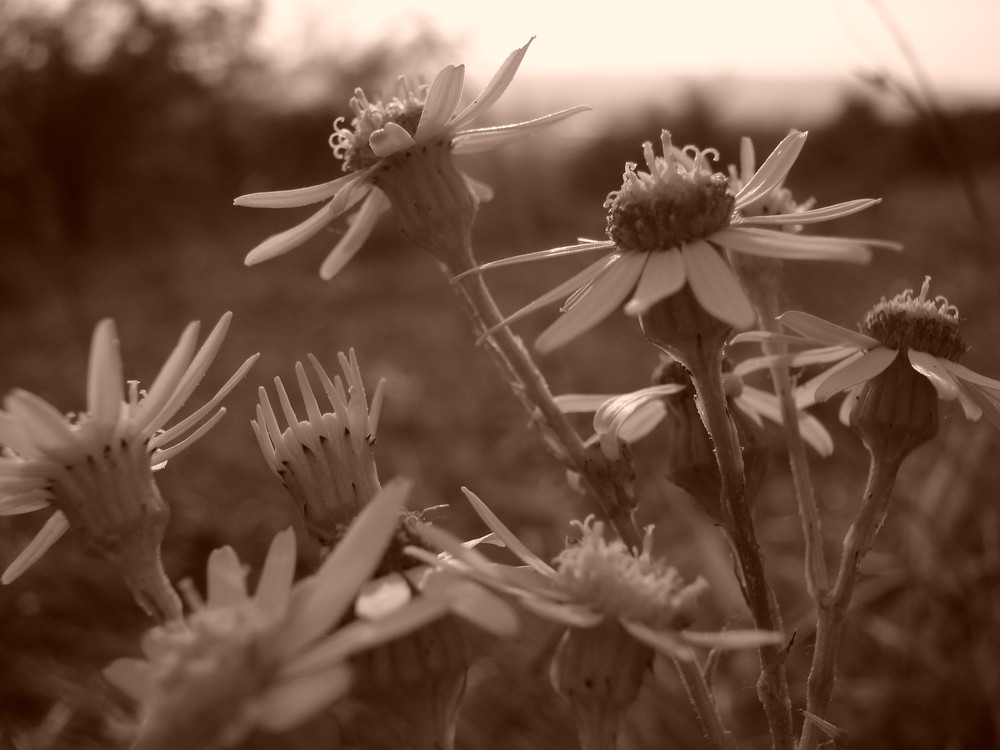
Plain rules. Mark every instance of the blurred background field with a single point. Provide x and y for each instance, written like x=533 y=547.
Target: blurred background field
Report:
x=126 y=129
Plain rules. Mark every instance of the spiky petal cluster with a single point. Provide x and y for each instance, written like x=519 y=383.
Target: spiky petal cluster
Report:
x=325 y=461
x=95 y=467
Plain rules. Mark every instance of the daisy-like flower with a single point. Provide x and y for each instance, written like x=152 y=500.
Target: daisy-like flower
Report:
x=399 y=153
x=918 y=333
x=620 y=606
x=671 y=225
x=240 y=662
x=96 y=467
x=327 y=461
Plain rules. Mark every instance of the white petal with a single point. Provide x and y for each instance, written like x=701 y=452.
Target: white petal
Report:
x=226 y=578
x=357 y=233
x=665 y=642
x=441 y=103
x=570 y=614
x=480 y=190
x=298 y=196
x=825 y=332
x=473 y=603
x=730 y=640
x=867 y=367
x=642 y=421
x=555 y=252
x=44 y=427
x=283 y=242
x=105 y=395
x=663 y=275
x=485 y=139
x=773 y=243
x=933 y=369
x=165 y=384
x=383 y=596
x=514 y=544
x=293 y=701
x=275 y=584
x=813 y=215
x=320 y=601
x=24 y=502
x=773 y=171
x=389 y=139
x=50 y=533
x=576 y=403
x=585 y=277
x=972 y=377
x=605 y=294
x=494 y=89
x=132 y=676
x=844 y=413
x=715 y=285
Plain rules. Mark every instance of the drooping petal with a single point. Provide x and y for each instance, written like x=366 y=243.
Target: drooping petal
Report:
x=356 y=235
x=275 y=582
x=715 y=286
x=663 y=275
x=819 y=356
x=227 y=584
x=134 y=677
x=825 y=332
x=389 y=139
x=756 y=401
x=665 y=642
x=105 y=394
x=988 y=405
x=867 y=367
x=805 y=394
x=576 y=403
x=293 y=701
x=514 y=544
x=24 y=502
x=50 y=533
x=844 y=412
x=812 y=215
x=972 y=377
x=555 y=252
x=642 y=421
x=585 y=277
x=772 y=243
x=473 y=603
x=482 y=192
x=773 y=171
x=731 y=640
x=485 y=139
x=441 y=103
x=288 y=240
x=494 y=89
x=565 y=613
x=933 y=369
x=298 y=196
x=322 y=600
x=364 y=634
x=606 y=293
x=45 y=428
x=383 y=596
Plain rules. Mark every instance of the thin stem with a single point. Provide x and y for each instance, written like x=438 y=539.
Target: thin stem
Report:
x=817 y=580
x=772 y=689
x=615 y=499
x=833 y=611
x=718 y=737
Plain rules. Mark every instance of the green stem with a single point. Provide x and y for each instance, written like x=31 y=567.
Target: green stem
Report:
x=718 y=737
x=833 y=610
x=616 y=499
x=772 y=689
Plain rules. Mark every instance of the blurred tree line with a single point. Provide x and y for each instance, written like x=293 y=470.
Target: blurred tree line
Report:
x=121 y=123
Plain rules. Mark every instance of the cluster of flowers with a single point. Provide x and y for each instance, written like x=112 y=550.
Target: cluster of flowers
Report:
x=392 y=589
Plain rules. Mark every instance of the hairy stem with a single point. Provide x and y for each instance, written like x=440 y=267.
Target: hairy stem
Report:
x=772 y=689
x=716 y=734
x=616 y=500
x=833 y=609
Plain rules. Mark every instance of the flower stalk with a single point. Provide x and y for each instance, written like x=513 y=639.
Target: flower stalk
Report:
x=680 y=327
x=716 y=734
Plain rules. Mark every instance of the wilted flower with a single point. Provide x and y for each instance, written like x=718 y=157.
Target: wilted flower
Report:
x=96 y=467
x=916 y=334
x=326 y=462
x=671 y=225
x=269 y=661
x=399 y=152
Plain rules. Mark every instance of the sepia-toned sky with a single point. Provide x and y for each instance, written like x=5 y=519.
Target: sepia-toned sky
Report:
x=955 y=40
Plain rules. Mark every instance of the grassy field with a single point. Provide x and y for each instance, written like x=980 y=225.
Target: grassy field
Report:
x=920 y=669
